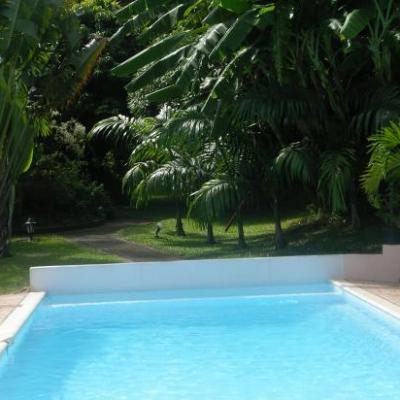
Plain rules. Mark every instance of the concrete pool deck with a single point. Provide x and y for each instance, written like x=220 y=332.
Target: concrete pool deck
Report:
x=14 y=312
x=384 y=296
x=8 y=303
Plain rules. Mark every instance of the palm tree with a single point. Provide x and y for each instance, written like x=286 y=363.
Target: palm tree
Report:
x=167 y=157
x=354 y=102
x=286 y=73
x=215 y=199
x=174 y=178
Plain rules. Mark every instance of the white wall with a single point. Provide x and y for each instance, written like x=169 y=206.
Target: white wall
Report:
x=383 y=267
x=224 y=273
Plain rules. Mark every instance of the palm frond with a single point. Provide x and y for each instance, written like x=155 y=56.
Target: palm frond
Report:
x=187 y=127
x=163 y=24
x=150 y=54
x=336 y=174
x=296 y=162
x=384 y=163
x=275 y=105
x=214 y=199
x=374 y=110
x=122 y=129
x=135 y=177
x=84 y=63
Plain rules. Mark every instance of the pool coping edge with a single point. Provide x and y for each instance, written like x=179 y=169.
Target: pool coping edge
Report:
x=17 y=318
x=374 y=300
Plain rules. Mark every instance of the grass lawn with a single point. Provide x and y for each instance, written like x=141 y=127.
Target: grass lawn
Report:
x=304 y=235
x=45 y=250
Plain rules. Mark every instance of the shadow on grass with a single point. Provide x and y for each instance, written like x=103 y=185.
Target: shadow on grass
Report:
x=303 y=238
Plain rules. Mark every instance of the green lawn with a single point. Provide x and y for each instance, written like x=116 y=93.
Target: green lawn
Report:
x=305 y=236
x=45 y=250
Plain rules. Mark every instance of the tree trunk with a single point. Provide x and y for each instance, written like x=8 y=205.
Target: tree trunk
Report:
x=179 y=224
x=241 y=239
x=355 y=216
x=210 y=234
x=280 y=241
x=4 y=233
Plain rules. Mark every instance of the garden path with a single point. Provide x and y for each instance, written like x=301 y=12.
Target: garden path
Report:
x=105 y=238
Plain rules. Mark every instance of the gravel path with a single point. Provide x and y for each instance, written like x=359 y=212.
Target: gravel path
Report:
x=105 y=238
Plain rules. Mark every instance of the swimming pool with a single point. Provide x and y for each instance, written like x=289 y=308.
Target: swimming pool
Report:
x=312 y=343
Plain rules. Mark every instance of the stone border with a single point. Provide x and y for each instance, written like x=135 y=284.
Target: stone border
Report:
x=15 y=321
x=372 y=299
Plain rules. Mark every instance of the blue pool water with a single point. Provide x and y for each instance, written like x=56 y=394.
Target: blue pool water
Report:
x=322 y=345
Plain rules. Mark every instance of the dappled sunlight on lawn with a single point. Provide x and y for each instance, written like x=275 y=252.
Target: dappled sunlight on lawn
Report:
x=304 y=234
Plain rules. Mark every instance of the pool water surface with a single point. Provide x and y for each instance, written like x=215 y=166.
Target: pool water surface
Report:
x=312 y=346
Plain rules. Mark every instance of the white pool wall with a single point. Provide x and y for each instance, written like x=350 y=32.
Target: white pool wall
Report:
x=223 y=273
x=384 y=267
x=170 y=275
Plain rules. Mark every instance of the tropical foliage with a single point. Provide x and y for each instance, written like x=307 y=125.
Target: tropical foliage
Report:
x=382 y=178
x=58 y=187
x=33 y=78
x=228 y=105
x=285 y=93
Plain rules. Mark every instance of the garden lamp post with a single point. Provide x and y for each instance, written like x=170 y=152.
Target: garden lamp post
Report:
x=30 y=228
x=158 y=230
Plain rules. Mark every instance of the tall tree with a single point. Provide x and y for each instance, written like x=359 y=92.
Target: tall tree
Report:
x=29 y=53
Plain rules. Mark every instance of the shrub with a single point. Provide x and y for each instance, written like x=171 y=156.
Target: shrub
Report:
x=59 y=183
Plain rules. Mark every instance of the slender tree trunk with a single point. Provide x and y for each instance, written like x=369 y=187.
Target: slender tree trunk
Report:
x=355 y=216
x=5 y=225
x=4 y=234
x=179 y=224
x=280 y=241
x=210 y=234
x=241 y=239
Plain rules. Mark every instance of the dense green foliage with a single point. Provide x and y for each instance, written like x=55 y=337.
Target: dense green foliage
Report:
x=58 y=187
x=103 y=95
x=278 y=95
x=220 y=106
x=42 y=66
x=382 y=179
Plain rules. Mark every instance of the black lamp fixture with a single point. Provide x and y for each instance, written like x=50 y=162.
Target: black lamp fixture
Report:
x=30 y=228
